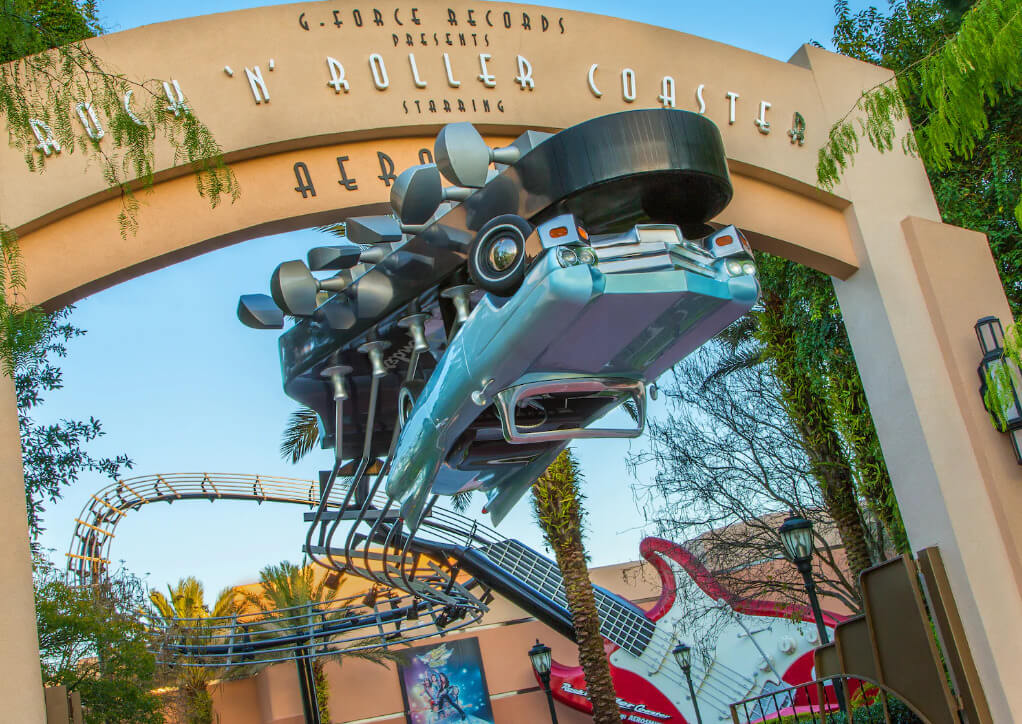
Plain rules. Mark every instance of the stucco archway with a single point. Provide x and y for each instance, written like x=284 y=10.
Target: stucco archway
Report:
x=307 y=97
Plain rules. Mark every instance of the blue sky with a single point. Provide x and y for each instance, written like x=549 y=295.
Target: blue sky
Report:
x=181 y=386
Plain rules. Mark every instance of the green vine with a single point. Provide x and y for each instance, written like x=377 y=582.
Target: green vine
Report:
x=955 y=83
x=56 y=93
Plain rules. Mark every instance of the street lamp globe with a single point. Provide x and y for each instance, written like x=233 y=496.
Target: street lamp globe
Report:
x=683 y=655
x=540 y=657
x=797 y=538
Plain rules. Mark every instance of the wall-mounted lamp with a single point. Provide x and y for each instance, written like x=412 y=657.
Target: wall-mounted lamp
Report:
x=1001 y=400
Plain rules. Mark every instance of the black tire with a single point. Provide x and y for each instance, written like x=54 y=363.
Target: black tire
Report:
x=500 y=282
x=407 y=396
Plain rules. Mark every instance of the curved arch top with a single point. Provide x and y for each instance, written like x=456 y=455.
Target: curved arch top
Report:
x=317 y=108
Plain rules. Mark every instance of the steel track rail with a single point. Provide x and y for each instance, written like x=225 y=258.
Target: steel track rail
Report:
x=378 y=619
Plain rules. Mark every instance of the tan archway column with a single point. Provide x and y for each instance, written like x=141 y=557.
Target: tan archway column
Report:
x=910 y=311
x=20 y=691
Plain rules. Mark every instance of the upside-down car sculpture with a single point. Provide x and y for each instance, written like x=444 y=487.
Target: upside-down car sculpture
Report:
x=476 y=334
x=466 y=339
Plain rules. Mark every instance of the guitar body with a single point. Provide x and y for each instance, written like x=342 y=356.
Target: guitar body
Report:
x=759 y=650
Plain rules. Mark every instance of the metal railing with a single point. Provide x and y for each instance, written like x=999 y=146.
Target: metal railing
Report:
x=376 y=620
x=356 y=624
x=816 y=702
x=89 y=552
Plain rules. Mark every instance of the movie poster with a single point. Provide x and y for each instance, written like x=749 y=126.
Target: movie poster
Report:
x=444 y=684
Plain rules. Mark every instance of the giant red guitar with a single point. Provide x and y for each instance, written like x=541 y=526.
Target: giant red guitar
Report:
x=759 y=650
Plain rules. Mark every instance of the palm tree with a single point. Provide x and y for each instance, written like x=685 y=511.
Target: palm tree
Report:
x=290 y=586
x=186 y=607
x=557 y=504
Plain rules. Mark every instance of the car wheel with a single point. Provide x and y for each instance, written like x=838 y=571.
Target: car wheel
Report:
x=407 y=396
x=496 y=257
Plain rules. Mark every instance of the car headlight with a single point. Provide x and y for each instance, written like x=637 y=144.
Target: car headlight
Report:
x=566 y=256
x=734 y=267
x=748 y=267
x=587 y=256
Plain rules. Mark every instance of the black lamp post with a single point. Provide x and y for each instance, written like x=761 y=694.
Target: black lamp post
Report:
x=540 y=657
x=797 y=539
x=683 y=655
x=1004 y=407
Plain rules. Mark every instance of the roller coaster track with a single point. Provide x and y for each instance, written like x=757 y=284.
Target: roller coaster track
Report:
x=375 y=619
x=89 y=553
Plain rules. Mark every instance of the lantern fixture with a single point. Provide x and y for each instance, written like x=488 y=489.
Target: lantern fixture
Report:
x=539 y=655
x=797 y=539
x=1003 y=405
x=683 y=655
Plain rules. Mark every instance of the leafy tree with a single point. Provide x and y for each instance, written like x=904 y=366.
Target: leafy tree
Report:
x=957 y=79
x=557 y=503
x=186 y=607
x=289 y=586
x=53 y=455
x=49 y=81
x=93 y=640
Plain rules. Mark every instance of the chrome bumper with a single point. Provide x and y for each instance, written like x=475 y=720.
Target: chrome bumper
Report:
x=508 y=401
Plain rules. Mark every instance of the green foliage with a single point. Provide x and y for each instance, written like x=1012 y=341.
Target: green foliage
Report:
x=300 y=434
x=954 y=79
x=46 y=73
x=185 y=608
x=558 y=501
x=93 y=640
x=288 y=586
x=53 y=455
x=957 y=77
x=817 y=353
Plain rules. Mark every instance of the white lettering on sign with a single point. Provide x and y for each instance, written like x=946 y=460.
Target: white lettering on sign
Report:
x=731 y=98
x=379 y=71
x=592 y=80
x=176 y=98
x=337 y=80
x=47 y=143
x=666 y=96
x=489 y=80
x=762 y=123
x=621 y=703
x=524 y=77
x=127 y=109
x=260 y=92
x=699 y=97
x=87 y=115
x=628 y=85
x=419 y=82
x=450 y=76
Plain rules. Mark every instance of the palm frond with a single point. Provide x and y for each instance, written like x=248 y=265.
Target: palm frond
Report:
x=631 y=409
x=300 y=435
x=741 y=360
x=739 y=333
x=460 y=502
x=338 y=229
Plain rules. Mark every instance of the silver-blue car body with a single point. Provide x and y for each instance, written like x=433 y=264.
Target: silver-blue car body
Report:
x=592 y=324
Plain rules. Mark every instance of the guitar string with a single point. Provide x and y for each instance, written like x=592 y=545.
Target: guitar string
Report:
x=620 y=626
x=708 y=679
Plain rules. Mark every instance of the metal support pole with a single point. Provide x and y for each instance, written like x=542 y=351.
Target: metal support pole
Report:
x=307 y=685
x=806 y=569
x=692 y=693
x=549 y=696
